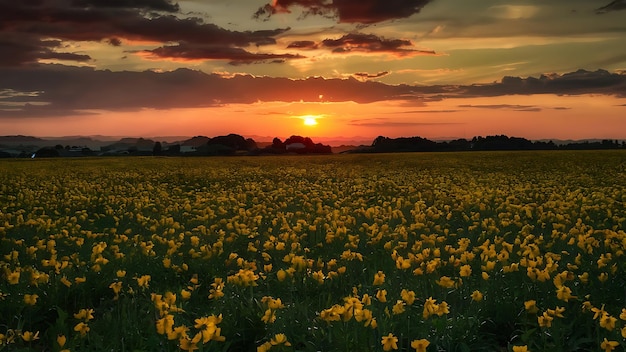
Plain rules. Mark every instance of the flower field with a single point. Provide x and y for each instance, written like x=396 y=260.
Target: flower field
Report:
x=520 y=251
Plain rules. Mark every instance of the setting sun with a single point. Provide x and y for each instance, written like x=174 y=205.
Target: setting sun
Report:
x=309 y=120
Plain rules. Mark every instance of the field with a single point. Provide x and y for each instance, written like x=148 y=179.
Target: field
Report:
x=519 y=251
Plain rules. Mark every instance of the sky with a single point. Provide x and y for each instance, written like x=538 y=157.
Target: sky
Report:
x=438 y=69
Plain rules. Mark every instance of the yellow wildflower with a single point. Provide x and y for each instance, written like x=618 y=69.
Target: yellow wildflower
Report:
x=379 y=278
x=477 y=296
x=608 y=346
x=389 y=342
x=520 y=348
x=408 y=296
x=398 y=308
x=82 y=328
x=29 y=336
x=143 y=281
x=531 y=306
x=465 y=270
x=381 y=295
x=420 y=345
x=280 y=339
x=31 y=300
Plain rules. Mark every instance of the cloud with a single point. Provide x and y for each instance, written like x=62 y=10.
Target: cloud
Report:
x=237 y=56
x=357 y=42
x=34 y=22
x=513 y=107
x=347 y=11
x=615 y=5
x=64 y=90
x=363 y=76
x=573 y=83
x=399 y=123
x=362 y=43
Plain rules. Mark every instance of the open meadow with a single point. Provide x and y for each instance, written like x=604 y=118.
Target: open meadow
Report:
x=500 y=251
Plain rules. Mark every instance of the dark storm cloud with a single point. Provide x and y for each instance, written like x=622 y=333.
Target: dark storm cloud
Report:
x=347 y=11
x=615 y=5
x=236 y=56
x=31 y=22
x=69 y=90
x=360 y=42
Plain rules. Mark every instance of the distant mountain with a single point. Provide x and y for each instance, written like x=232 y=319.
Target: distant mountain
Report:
x=19 y=139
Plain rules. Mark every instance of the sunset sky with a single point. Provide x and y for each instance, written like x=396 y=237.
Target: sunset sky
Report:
x=321 y=68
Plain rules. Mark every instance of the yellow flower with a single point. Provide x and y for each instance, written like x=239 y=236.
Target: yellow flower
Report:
x=65 y=281
x=31 y=300
x=465 y=270
x=477 y=296
x=420 y=345
x=13 y=277
x=281 y=275
x=279 y=339
x=564 y=293
x=165 y=325
x=408 y=296
x=381 y=295
x=80 y=280
x=186 y=344
x=398 y=308
x=608 y=346
x=485 y=276
x=531 y=306
x=143 y=281
x=82 y=328
x=608 y=322
x=264 y=347
x=116 y=287
x=389 y=342
x=445 y=281
x=379 y=278
x=120 y=273
x=185 y=294
x=443 y=308
x=61 y=339
x=29 y=336
x=84 y=315
x=520 y=348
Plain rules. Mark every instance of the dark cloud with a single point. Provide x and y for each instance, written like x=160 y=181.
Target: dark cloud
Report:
x=64 y=90
x=573 y=83
x=34 y=22
x=156 y=5
x=514 y=107
x=399 y=123
x=347 y=11
x=365 y=76
x=615 y=5
x=302 y=44
x=186 y=51
x=359 y=42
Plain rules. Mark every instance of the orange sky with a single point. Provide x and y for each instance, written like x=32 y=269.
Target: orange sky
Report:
x=419 y=68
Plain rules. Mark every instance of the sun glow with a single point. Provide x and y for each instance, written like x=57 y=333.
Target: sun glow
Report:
x=309 y=120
